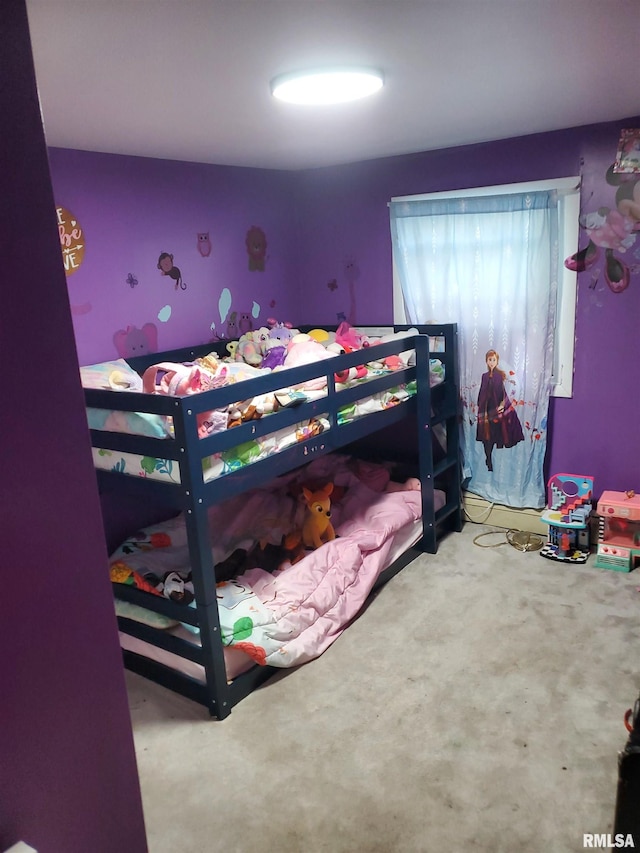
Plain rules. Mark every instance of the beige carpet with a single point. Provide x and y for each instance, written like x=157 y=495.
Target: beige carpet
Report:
x=476 y=705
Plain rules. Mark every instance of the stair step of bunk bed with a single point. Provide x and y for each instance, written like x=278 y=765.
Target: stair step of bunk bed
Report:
x=193 y=494
x=447 y=510
x=444 y=417
x=446 y=465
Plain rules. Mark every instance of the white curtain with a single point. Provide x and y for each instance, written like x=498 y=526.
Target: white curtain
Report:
x=490 y=265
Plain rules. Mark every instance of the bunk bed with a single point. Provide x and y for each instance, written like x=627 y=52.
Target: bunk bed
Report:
x=193 y=658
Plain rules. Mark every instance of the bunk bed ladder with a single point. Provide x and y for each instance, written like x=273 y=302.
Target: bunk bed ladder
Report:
x=425 y=446
x=448 y=473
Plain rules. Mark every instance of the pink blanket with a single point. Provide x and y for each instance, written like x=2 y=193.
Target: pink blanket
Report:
x=291 y=615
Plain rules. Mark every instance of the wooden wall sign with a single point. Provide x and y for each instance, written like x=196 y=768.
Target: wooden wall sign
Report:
x=71 y=240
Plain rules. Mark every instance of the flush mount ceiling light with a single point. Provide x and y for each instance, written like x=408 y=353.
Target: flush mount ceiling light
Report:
x=326 y=85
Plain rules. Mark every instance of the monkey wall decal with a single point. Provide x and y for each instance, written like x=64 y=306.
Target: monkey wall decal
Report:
x=166 y=267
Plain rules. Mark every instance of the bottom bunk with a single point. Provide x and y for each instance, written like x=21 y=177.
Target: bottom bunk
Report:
x=279 y=603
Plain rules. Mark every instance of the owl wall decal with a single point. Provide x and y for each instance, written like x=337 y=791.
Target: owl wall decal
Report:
x=204 y=244
x=245 y=323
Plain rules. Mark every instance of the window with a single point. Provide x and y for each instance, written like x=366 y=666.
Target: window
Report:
x=568 y=197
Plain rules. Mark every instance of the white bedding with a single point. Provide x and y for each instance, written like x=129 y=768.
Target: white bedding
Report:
x=219 y=464
x=118 y=375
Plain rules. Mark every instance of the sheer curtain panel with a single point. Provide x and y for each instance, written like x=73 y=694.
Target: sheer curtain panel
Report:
x=489 y=264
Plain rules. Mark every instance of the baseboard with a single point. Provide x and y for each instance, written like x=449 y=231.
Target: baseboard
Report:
x=479 y=510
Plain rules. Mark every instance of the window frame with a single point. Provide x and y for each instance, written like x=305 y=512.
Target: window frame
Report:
x=568 y=190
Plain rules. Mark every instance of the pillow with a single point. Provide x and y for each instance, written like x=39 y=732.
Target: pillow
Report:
x=111 y=375
x=141 y=614
x=119 y=376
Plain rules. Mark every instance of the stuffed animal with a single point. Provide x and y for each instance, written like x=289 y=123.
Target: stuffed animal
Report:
x=317 y=528
x=350 y=338
x=309 y=430
x=281 y=333
x=251 y=410
x=351 y=373
x=405 y=359
x=261 y=337
x=304 y=350
x=210 y=362
x=347 y=339
x=276 y=343
x=274 y=357
x=249 y=350
x=272 y=323
x=180 y=380
x=322 y=336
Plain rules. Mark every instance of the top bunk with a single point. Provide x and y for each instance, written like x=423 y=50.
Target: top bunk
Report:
x=165 y=436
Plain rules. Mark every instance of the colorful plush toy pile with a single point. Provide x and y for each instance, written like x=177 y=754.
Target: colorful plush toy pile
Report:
x=275 y=346
x=265 y=347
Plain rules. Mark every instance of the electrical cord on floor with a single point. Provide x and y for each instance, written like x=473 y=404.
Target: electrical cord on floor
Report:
x=521 y=540
x=485 y=515
x=492 y=544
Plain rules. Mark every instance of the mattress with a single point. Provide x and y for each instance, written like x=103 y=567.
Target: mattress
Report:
x=218 y=464
x=278 y=606
x=191 y=378
x=236 y=661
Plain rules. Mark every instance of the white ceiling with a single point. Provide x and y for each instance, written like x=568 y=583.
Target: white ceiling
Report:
x=189 y=79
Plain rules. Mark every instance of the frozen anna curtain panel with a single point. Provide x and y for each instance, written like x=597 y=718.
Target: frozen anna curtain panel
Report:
x=490 y=265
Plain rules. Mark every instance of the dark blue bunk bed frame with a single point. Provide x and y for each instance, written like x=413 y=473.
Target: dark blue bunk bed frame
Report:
x=193 y=496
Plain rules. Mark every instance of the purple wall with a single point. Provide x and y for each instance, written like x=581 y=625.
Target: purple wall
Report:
x=329 y=253
x=345 y=233
x=68 y=777
x=132 y=209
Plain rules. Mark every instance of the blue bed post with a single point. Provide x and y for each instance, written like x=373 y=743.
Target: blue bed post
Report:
x=425 y=444
x=447 y=471
x=450 y=467
x=202 y=565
